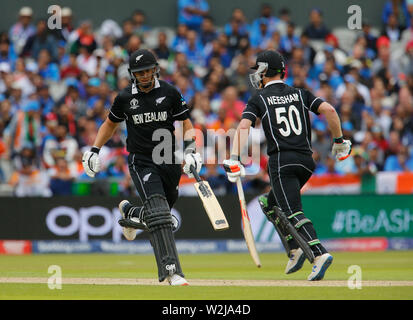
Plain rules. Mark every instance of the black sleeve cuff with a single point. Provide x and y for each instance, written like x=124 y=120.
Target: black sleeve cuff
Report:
x=249 y=116
x=114 y=118
x=315 y=104
x=95 y=150
x=181 y=116
x=189 y=146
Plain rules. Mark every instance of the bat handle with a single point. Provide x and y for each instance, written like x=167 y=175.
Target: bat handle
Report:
x=195 y=173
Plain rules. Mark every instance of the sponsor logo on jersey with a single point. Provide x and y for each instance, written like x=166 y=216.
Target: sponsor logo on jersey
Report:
x=147 y=117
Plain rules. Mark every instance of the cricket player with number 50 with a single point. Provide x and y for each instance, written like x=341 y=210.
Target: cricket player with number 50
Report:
x=149 y=104
x=284 y=113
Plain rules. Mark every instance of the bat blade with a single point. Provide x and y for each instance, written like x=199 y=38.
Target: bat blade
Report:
x=213 y=209
x=249 y=237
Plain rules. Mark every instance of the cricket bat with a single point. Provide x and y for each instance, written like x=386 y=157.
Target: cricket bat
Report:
x=249 y=237
x=213 y=209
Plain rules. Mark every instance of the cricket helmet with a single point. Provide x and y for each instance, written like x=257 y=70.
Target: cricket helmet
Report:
x=268 y=63
x=140 y=60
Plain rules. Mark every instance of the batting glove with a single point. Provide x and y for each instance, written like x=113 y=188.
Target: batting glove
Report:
x=234 y=169
x=341 y=149
x=192 y=159
x=90 y=161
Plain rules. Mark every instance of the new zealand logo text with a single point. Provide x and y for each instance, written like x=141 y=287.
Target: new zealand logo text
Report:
x=150 y=117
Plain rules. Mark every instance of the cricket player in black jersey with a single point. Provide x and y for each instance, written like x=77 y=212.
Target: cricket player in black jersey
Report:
x=148 y=105
x=284 y=114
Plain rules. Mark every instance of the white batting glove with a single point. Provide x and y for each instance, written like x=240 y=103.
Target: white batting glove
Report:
x=234 y=169
x=192 y=159
x=341 y=149
x=91 y=162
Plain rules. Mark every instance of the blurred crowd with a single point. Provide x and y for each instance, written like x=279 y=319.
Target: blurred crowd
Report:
x=56 y=87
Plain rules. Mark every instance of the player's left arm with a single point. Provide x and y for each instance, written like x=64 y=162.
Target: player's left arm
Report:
x=233 y=165
x=341 y=147
x=188 y=130
x=180 y=112
x=191 y=157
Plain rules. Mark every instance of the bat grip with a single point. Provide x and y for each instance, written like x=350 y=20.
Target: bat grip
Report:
x=195 y=173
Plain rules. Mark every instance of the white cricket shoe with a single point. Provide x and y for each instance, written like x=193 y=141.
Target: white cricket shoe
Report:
x=177 y=280
x=321 y=263
x=129 y=233
x=297 y=258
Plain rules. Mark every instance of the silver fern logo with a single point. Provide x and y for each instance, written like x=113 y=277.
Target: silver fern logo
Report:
x=146 y=177
x=159 y=100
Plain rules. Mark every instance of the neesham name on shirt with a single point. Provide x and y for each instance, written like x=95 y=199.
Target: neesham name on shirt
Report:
x=282 y=99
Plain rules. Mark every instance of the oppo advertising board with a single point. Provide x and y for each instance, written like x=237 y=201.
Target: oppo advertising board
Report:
x=92 y=218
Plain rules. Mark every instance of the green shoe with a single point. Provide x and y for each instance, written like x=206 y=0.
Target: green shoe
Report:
x=263 y=201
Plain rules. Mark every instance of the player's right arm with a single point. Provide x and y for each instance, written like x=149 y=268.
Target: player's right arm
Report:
x=90 y=159
x=341 y=148
x=233 y=165
x=105 y=132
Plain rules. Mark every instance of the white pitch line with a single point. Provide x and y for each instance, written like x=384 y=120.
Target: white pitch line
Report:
x=207 y=282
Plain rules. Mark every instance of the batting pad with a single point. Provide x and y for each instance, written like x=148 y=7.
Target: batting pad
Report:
x=159 y=221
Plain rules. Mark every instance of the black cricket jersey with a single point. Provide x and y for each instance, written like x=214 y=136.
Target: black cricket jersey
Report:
x=284 y=112
x=145 y=113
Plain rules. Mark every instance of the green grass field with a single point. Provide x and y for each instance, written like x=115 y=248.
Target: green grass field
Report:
x=378 y=268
